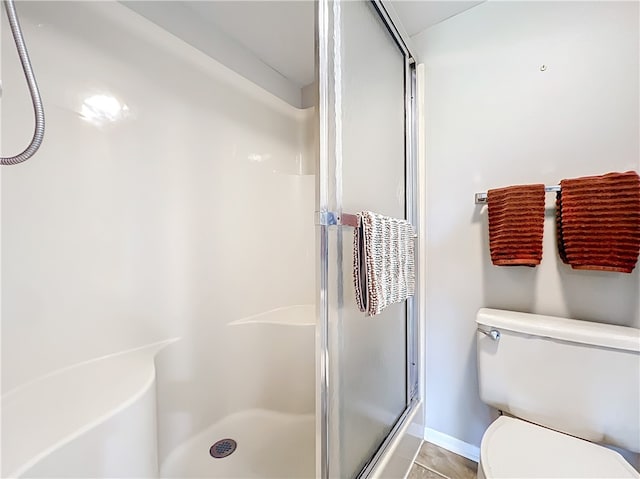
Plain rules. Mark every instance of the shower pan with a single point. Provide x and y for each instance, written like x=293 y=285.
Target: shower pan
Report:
x=177 y=295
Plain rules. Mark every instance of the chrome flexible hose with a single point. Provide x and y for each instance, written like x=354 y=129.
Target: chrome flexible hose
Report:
x=38 y=110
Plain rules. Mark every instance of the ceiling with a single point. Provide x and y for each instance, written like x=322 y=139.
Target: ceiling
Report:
x=417 y=16
x=271 y=42
x=281 y=33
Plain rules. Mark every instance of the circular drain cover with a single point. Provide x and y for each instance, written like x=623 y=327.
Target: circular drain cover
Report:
x=223 y=448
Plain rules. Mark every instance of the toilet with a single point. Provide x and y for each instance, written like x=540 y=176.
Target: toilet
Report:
x=565 y=388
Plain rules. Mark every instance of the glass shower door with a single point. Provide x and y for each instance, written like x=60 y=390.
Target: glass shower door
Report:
x=366 y=368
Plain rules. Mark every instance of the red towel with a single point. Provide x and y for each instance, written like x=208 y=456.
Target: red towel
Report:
x=598 y=222
x=516 y=224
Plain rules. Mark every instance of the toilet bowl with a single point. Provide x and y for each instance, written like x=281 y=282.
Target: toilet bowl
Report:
x=566 y=388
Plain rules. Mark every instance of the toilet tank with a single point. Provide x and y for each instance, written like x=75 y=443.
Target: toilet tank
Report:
x=577 y=377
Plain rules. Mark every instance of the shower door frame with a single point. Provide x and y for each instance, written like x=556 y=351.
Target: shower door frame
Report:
x=328 y=218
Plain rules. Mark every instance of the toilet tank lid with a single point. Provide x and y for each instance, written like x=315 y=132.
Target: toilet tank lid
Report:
x=574 y=330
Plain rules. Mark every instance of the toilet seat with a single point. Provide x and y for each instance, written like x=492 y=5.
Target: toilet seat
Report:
x=512 y=448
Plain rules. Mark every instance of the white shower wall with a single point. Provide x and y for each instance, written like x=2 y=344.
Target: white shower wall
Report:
x=193 y=208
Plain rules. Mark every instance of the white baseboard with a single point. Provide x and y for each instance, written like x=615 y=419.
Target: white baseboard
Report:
x=452 y=444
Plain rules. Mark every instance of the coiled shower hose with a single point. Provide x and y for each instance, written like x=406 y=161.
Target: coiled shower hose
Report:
x=38 y=110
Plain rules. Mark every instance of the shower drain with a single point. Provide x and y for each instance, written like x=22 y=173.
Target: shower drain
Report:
x=223 y=448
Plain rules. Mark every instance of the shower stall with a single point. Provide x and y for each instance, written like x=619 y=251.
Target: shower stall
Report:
x=177 y=296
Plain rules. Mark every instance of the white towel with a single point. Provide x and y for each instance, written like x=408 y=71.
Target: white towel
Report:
x=383 y=261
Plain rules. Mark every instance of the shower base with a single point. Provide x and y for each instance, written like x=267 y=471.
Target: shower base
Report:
x=270 y=445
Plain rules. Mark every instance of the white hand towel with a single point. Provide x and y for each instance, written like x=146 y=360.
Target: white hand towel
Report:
x=383 y=261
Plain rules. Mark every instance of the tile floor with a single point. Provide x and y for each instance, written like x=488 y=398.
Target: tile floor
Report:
x=434 y=462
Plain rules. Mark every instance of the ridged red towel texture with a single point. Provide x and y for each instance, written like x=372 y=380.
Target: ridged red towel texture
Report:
x=516 y=224
x=598 y=222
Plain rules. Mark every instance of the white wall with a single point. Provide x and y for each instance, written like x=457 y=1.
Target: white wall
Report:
x=193 y=210
x=493 y=118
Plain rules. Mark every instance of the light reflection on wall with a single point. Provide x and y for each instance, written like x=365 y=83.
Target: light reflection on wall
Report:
x=102 y=109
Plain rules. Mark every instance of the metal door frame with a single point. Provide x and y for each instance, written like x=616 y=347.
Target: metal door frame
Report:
x=329 y=215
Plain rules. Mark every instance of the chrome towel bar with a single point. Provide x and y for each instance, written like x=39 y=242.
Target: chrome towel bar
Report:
x=329 y=218
x=481 y=198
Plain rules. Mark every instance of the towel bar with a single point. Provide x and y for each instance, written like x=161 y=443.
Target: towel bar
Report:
x=481 y=198
x=329 y=218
